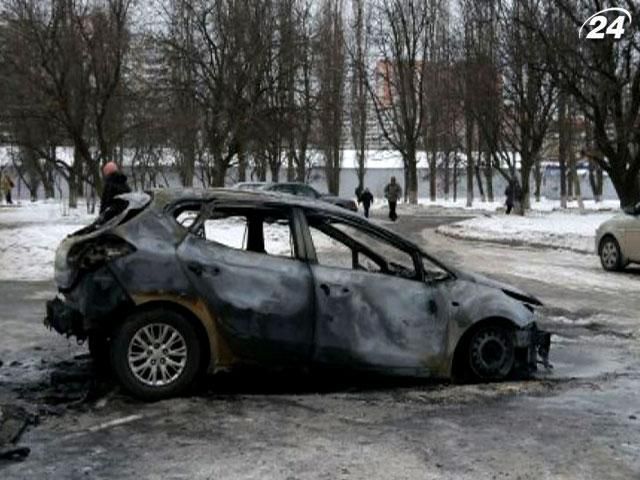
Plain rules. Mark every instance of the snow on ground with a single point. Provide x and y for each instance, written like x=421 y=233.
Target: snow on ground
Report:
x=544 y=205
x=558 y=229
x=30 y=234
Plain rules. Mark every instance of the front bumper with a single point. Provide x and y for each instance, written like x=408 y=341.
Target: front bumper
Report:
x=535 y=344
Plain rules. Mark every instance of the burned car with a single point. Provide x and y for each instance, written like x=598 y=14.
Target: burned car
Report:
x=174 y=283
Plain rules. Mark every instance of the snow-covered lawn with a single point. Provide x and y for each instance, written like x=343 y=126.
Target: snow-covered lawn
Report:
x=544 y=205
x=568 y=230
x=30 y=234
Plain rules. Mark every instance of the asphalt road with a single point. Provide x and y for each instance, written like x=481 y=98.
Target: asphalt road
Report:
x=582 y=420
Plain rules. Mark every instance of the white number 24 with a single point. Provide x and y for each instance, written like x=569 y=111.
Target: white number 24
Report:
x=599 y=22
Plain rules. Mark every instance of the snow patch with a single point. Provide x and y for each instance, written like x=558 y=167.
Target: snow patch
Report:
x=557 y=229
x=30 y=234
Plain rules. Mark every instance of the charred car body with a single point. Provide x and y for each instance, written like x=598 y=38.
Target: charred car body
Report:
x=178 y=282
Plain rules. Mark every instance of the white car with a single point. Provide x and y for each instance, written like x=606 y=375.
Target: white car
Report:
x=618 y=240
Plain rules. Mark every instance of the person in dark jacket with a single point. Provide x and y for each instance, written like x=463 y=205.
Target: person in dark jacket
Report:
x=508 y=193
x=115 y=183
x=513 y=193
x=367 y=199
x=393 y=192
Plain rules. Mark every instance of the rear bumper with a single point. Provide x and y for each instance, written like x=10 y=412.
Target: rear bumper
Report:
x=63 y=318
x=94 y=304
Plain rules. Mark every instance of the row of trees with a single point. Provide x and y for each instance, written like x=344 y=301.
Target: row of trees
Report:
x=261 y=85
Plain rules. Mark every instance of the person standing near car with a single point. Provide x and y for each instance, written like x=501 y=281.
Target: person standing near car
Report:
x=392 y=193
x=115 y=183
x=367 y=199
x=6 y=185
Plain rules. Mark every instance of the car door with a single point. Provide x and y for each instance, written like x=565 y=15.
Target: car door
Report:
x=261 y=295
x=372 y=319
x=632 y=238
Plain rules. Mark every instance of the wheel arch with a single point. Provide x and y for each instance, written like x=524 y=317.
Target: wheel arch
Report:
x=616 y=237
x=458 y=367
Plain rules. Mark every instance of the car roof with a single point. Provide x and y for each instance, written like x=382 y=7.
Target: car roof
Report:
x=166 y=196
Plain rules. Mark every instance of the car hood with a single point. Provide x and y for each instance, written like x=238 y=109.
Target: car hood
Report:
x=509 y=290
x=618 y=219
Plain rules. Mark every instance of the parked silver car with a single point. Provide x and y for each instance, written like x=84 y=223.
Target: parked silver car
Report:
x=618 y=240
x=176 y=282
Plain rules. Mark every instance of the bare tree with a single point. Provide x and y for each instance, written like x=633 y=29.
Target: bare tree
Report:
x=359 y=94
x=529 y=92
x=331 y=79
x=67 y=57
x=604 y=77
x=403 y=38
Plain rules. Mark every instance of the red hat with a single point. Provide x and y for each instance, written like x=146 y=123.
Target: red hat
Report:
x=109 y=168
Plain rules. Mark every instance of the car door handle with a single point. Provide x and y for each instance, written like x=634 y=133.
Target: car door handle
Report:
x=325 y=288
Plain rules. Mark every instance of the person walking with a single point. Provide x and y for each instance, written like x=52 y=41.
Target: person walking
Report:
x=115 y=183
x=508 y=193
x=6 y=185
x=513 y=195
x=392 y=193
x=367 y=199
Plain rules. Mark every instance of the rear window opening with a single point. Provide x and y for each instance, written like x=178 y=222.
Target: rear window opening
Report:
x=119 y=206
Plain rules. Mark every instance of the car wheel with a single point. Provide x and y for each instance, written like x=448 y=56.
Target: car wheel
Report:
x=491 y=353
x=610 y=255
x=156 y=354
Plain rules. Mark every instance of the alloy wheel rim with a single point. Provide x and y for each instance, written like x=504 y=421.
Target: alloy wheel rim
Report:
x=609 y=254
x=157 y=354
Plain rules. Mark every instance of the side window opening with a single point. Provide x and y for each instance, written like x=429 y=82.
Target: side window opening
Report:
x=433 y=272
x=352 y=248
x=329 y=251
x=255 y=231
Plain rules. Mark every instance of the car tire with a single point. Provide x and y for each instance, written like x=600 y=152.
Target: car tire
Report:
x=156 y=354
x=491 y=353
x=610 y=254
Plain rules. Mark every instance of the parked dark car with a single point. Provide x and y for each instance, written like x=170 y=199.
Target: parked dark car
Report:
x=176 y=282
x=250 y=185
x=304 y=190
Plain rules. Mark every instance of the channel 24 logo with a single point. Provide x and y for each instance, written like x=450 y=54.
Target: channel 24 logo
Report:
x=599 y=24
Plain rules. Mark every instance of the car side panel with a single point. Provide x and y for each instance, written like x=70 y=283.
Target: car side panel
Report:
x=632 y=238
x=379 y=322
x=263 y=304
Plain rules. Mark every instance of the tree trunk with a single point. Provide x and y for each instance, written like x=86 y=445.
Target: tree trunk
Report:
x=447 y=174
x=412 y=185
x=433 y=175
x=478 y=167
x=489 y=175
x=455 y=177
x=469 y=151
x=242 y=164
x=538 y=178
x=595 y=180
x=627 y=188
x=562 y=146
